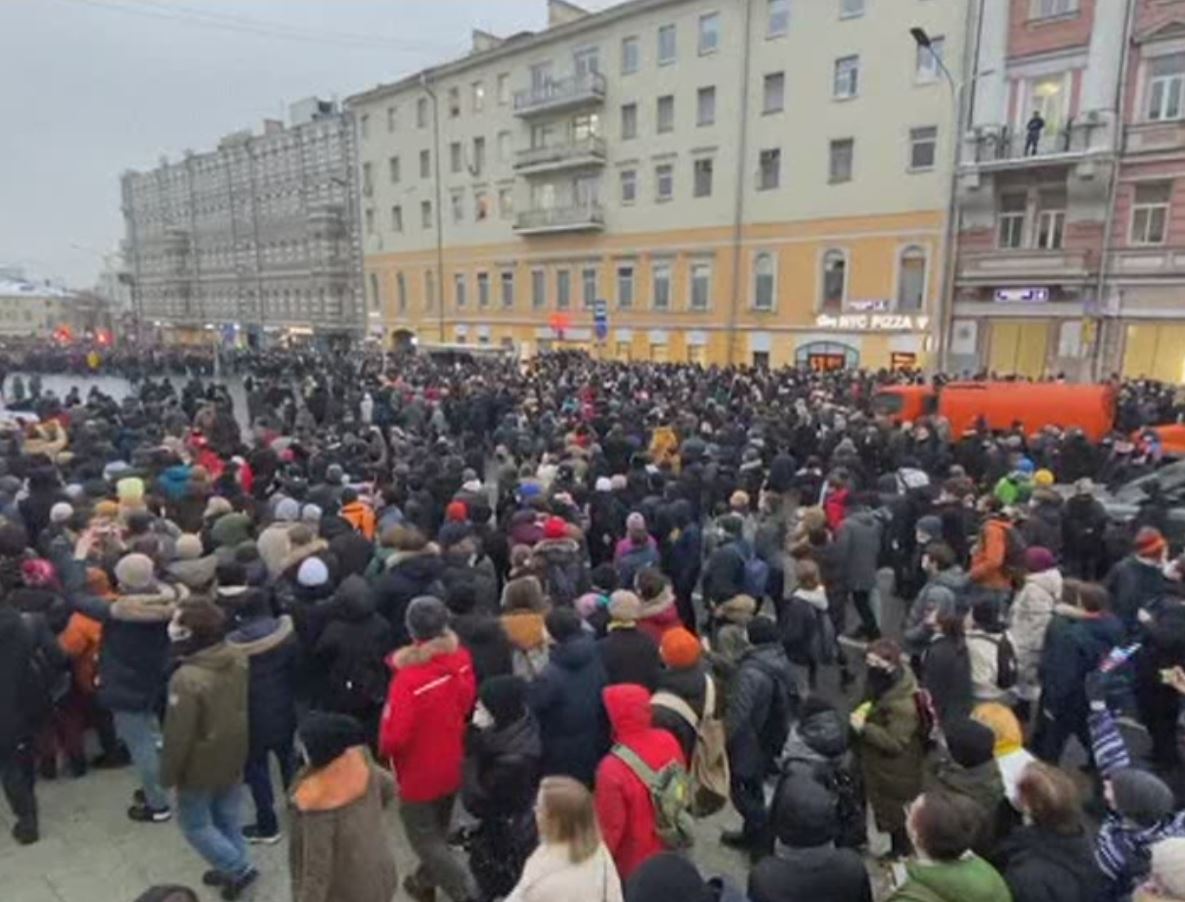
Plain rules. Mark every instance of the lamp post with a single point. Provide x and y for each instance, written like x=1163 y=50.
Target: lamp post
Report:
x=941 y=327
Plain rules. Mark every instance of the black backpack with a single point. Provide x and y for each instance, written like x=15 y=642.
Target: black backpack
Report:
x=45 y=683
x=1006 y=671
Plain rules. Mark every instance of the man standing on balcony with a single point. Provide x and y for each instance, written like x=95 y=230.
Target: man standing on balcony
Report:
x=1033 y=130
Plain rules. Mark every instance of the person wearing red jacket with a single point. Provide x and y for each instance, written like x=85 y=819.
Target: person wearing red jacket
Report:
x=624 y=808
x=423 y=734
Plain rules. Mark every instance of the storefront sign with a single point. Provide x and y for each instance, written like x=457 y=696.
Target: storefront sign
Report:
x=873 y=322
x=1022 y=295
x=873 y=305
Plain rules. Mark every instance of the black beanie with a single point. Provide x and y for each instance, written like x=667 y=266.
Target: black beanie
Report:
x=326 y=736
x=505 y=697
x=763 y=631
x=666 y=877
x=805 y=813
x=1141 y=796
x=563 y=624
x=970 y=742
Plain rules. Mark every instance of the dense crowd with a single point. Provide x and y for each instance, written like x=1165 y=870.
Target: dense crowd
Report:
x=556 y=612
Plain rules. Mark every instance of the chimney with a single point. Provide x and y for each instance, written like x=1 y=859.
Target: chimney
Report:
x=561 y=12
x=483 y=41
x=273 y=126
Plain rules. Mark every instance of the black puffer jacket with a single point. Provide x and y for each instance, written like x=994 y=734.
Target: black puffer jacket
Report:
x=501 y=771
x=409 y=575
x=1042 y=866
x=487 y=643
x=763 y=702
x=272 y=650
x=15 y=648
x=566 y=700
x=352 y=677
x=817 y=750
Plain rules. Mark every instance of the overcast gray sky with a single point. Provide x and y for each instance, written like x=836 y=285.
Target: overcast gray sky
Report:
x=93 y=87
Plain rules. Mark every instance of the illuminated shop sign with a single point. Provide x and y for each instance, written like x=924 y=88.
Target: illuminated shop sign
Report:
x=873 y=322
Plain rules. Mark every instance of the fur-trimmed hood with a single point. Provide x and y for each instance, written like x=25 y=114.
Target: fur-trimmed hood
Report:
x=300 y=552
x=401 y=557
x=149 y=607
x=657 y=605
x=420 y=653
x=261 y=636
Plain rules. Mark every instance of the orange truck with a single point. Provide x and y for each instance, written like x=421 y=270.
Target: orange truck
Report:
x=1034 y=405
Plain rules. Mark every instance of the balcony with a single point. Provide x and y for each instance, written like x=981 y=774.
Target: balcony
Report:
x=1026 y=266
x=577 y=153
x=588 y=217
x=1006 y=148
x=1154 y=137
x=561 y=94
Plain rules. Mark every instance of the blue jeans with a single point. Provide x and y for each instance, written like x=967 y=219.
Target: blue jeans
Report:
x=259 y=781
x=213 y=824
x=140 y=732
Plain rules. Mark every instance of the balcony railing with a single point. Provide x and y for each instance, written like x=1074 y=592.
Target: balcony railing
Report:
x=561 y=93
x=1027 y=266
x=587 y=217
x=582 y=152
x=1013 y=145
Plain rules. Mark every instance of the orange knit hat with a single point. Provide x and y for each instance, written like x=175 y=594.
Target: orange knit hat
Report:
x=679 y=649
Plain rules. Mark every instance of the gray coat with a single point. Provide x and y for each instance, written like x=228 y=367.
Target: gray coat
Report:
x=859 y=541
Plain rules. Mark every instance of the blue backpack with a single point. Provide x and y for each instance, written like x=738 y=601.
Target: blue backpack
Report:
x=756 y=575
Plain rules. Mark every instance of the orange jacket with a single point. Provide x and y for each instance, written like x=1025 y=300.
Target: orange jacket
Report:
x=987 y=561
x=81 y=640
x=361 y=517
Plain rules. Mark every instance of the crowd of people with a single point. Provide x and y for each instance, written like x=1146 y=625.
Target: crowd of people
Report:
x=555 y=613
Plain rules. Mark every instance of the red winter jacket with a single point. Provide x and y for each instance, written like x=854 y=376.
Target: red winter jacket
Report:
x=428 y=705
x=835 y=506
x=624 y=809
x=659 y=615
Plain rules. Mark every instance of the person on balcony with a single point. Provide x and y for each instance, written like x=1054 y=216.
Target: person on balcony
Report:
x=1033 y=129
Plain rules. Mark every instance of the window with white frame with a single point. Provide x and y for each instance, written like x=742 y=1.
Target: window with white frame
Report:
x=629 y=185
x=588 y=286
x=666 y=45
x=664 y=181
x=701 y=285
x=1165 y=83
x=1150 y=212
x=922 y=143
x=481 y=206
x=505 y=202
x=477 y=92
x=777 y=21
x=705 y=106
x=1048 y=95
x=629 y=121
x=456 y=157
x=631 y=52
x=927 y=65
x=1010 y=220
x=393 y=169
x=397 y=218
x=563 y=289
x=851 y=9
x=364 y=126
x=1050 y=9
x=773 y=95
x=709 y=33
x=503 y=147
x=847 y=78
x=625 y=286
x=1051 y=218
x=507 y=279
x=702 y=172
x=458 y=205
x=425 y=164
x=538 y=289
x=483 y=290
x=660 y=281
x=392 y=118
x=839 y=162
x=425 y=214
x=764 y=278
x=369 y=221
x=479 y=156
x=769 y=169
x=503 y=88
x=454 y=102
x=459 y=290
x=665 y=114
x=911 y=279
x=401 y=291
x=429 y=289
x=835 y=281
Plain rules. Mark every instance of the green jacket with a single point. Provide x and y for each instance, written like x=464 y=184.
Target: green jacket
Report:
x=1013 y=489
x=891 y=753
x=205 y=737
x=970 y=879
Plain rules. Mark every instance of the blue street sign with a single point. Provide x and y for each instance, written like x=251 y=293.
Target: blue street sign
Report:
x=601 y=319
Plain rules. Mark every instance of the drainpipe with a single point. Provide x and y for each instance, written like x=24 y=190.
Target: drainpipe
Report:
x=427 y=86
x=738 y=214
x=1096 y=352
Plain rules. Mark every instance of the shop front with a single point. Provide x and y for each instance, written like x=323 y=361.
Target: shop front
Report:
x=1154 y=349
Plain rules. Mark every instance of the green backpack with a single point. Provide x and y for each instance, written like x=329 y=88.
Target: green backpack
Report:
x=671 y=795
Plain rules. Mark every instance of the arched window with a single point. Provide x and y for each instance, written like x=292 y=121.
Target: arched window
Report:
x=375 y=298
x=401 y=289
x=764 y=280
x=835 y=281
x=911 y=279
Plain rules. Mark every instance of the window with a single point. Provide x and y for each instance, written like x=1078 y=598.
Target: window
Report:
x=922 y=142
x=364 y=126
x=455 y=159
x=477 y=92
x=1150 y=212
x=588 y=286
x=666 y=45
x=847 y=77
x=426 y=214
x=773 y=92
x=422 y=113
x=664 y=181
x=911 y=280
x=705 y=106
x=666 y=114
x=629 y=186
x=769 y=171
x=701 y=286
x=401 y=291
x=392 y=118
x=1048 y=9
x=709 y=33
x=481 y=206
x=1010 y=220
x=625 y=287
x=840 y=160
x=369 y=221
x=541 y=77
x=397 y=218
x=429 y=289
x=835 y=279
x=459 y=290
x=629 y=121
x=702 y=170
x=376 y=300
x=926 y=65
x=764 y=277
x=850 y=9
x=660 y=277
x=585 y=127
x=393 y=170
x=1051 y=218
x=425 y=165
x=483 y=290
x=454 y=102
x=630 y=55
x=458 y=202
x=502 y=148
x=563 y=289
x=505 y=203
x=586 y=61
x=479 y=155
x=777 y=18
x=1048 y=95
x=1166 y=80
x=503 y=88
x=538 y=289
x=508 y=289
